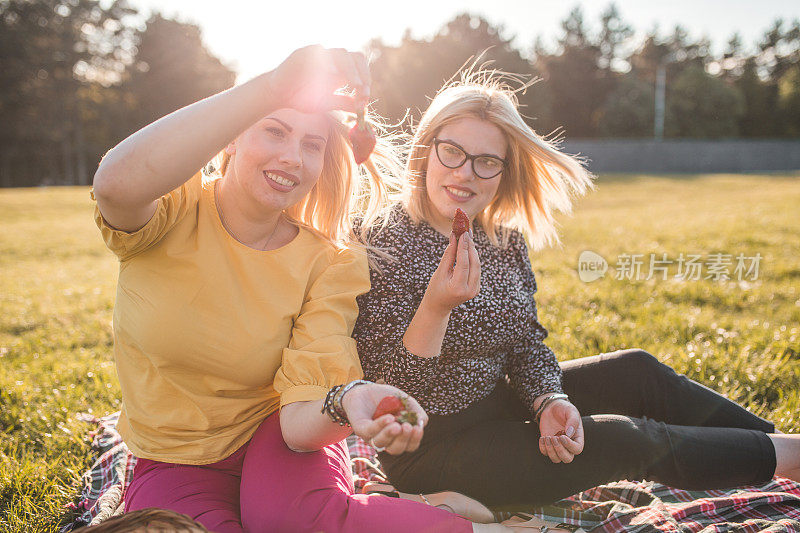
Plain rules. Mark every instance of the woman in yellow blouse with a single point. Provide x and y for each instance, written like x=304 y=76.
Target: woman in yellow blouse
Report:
x=235 y=305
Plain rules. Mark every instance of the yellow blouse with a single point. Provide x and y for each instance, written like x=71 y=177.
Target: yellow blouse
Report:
x=211 y=336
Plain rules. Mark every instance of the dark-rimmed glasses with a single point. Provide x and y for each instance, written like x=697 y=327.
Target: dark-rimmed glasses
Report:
x=451 y=155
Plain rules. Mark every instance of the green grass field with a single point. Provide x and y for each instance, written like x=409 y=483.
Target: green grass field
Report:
x=57 y=284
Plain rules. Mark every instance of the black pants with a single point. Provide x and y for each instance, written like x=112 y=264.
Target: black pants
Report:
x=641 y=421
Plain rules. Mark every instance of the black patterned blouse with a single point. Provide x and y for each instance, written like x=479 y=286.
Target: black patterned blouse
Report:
x=495 y=334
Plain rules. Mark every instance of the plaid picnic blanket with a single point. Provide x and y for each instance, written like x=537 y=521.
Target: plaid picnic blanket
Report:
x=623 y=506
x=633 y=506
x=103 y=485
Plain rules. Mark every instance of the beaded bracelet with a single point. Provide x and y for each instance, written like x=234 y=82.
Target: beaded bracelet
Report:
x=333 y=402
x=546 y=401
x=328 y=408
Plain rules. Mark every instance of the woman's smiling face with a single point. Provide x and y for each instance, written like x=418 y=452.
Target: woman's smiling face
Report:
x=279 y=159
x=451 y=188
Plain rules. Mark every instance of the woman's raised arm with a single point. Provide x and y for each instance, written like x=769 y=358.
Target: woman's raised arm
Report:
x=165 y=154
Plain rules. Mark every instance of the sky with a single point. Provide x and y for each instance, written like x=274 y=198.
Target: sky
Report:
x=255 y=36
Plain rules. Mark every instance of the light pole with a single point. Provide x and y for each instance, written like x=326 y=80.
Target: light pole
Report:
x=661 y=86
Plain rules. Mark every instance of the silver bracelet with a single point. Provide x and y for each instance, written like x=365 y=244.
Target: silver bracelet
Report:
x=546 y=401
x=339 y=396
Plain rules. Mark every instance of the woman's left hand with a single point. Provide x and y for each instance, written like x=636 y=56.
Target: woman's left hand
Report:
x=360 y=403
x=561 y=432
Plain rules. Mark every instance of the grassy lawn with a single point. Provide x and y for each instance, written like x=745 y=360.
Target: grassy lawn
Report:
x=740 y=337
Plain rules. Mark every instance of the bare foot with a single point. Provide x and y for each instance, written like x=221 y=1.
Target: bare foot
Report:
x=505 y=528
x=492 y=528
x=533 y=523
x=787 y=455
x=454 y=502
x=457 y=503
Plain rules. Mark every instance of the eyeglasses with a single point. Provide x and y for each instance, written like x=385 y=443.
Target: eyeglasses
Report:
x=452 y=155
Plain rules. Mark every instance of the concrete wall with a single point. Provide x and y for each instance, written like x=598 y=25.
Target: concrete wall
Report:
x=694 y=156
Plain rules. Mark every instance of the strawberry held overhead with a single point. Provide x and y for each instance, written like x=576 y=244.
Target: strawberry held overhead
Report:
x=362 y=138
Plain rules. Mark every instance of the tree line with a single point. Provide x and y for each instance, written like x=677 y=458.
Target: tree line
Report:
x=78 y=76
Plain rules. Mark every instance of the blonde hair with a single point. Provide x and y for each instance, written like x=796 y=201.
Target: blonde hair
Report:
x=344 y=190
x=538 y=178
x=150 y=519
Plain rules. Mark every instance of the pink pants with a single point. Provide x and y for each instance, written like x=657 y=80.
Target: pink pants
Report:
x=264 y=486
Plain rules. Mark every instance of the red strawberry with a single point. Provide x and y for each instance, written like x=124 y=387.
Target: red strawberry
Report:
x=362 y=139
x=460 y=223
x=392 y=405
x=389 y=405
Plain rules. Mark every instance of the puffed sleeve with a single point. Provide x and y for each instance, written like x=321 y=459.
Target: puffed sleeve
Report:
x=321 y=351
x=532 y=367
x=171 y=208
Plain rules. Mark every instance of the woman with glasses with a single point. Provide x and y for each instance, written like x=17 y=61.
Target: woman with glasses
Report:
x=453 y=322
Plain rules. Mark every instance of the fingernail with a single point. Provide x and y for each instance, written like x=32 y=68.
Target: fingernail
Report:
x=570 y=431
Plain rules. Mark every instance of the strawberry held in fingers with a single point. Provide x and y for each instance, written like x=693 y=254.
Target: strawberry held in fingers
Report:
x=362 y=138
x=460 y=223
